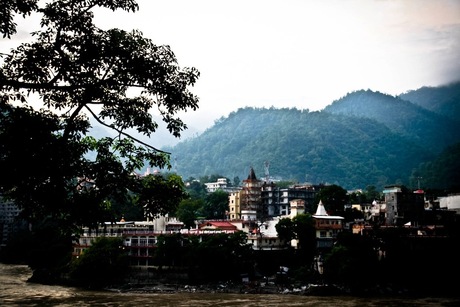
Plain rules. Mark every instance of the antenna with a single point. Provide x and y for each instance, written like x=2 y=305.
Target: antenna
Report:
x=418 y=182
x=267 y=172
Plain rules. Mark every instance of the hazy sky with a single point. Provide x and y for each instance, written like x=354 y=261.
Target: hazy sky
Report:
x=300 y=53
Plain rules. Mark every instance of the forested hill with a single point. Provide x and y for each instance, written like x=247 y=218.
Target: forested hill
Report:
x=444 y=100
x=365 y=138
x=425 y=127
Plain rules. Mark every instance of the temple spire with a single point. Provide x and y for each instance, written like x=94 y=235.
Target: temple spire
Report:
x=321 y=210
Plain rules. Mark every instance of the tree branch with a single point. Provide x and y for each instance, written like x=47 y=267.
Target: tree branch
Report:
x=123 y=133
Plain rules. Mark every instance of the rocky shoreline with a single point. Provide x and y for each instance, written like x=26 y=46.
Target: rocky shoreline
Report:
x=242 y=288
x=176 y=283
x=270 y=288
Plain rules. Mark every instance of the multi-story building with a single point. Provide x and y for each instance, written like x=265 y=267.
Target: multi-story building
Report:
x=220 y=184
x=250 y=199
x=403 y=206
x=327 y=227
x=9 y=222
x=262 y=200
x=450 y=202
x=234 y=205
x=139 y=237
x=277 y=200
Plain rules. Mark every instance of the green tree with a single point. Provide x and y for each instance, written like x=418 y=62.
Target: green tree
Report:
x=188 y=211
x=160 y=194
x=195 y=188
x=11 y=7
x=334 y=198
x=285 y=229
x=441 y=173
x=300 y=227
x=372 y=194
x=357 y=197
x=170 y=250
x=350 y=260
x=304 y=230
x=213 y=178
x=216 y=205
x=221 y=257
x=104 y=263
x=128 y=209
x=77 y=71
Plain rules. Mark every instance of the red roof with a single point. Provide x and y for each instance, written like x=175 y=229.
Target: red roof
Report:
x=221 y=225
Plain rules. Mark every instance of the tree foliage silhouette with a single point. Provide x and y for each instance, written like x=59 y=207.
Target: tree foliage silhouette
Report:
x=75 y=71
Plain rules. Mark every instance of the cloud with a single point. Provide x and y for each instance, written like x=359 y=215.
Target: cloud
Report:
x=302 y=54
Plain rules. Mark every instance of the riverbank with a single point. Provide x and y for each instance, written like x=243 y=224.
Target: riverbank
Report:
x=242 y=288
x=16 y=291
x=174 y=282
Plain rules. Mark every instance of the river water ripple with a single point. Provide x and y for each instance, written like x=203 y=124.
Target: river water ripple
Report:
x=16 y=291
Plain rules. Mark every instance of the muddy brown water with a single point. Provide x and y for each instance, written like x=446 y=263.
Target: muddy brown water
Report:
x=16 y=291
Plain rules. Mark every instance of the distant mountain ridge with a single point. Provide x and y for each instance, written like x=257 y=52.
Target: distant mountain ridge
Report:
x=444 y=100
x=364 y=138
x=401 y=116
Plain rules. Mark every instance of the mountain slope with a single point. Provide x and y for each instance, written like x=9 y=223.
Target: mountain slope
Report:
x=444 y=171
x=444 y=100
x=365 y=138
x=317 y=147
x=423 y=126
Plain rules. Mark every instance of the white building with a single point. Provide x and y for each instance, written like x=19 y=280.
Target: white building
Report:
x=221 y=184
x=450 y=202
x=327 y=227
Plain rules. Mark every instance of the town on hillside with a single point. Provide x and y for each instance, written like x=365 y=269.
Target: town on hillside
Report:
x=260 y=210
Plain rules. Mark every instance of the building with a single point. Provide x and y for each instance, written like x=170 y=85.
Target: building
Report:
x=220 y=184
x=251 y=192
x=165 y=223
x=218 y=226
x=327 y=227
x=9 y=222
x=234 y=205
x=450 y=202
x=262 y=200
x=251 y=209
x=403 y=206
x=277 y=200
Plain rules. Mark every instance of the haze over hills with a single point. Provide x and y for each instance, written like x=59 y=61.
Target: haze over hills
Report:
x=444 y=100
x=408 y=119
x=365 y=138
x=159 y=139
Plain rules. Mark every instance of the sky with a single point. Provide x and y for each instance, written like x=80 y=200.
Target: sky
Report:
x=299 y=53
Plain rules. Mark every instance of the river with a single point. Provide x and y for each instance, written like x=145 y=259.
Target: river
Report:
x=16 y=291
